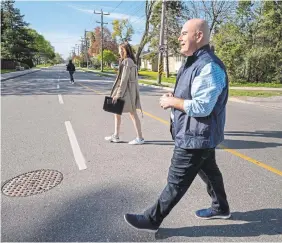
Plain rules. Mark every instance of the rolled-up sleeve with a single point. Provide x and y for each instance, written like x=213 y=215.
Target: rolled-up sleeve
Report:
x=205 y=91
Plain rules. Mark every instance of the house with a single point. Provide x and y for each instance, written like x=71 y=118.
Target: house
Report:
x=149 y=60
x=174 y=63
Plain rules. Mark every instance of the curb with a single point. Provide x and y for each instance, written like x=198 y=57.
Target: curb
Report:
x=19 y=75
x=156 y=87
x=233 y=99
x=99 y=73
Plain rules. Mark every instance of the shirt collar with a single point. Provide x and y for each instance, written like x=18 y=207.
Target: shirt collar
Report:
x=191 y=59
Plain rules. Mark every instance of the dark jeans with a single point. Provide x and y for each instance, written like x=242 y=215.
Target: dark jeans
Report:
x=71 y=75
x=185 y=165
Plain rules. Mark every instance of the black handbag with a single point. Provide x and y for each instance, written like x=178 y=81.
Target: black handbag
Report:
x=116 y=108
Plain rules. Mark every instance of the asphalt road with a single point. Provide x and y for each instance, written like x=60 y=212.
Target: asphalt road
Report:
x=48 y=123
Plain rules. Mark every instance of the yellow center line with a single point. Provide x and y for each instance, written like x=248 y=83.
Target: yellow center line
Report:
x=265 y=166
x=156 y=118
x=232 y=151
x=97 y=92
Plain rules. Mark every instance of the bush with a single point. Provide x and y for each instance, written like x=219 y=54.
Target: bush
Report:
x=28 y=63
x=25 y=66
x=95 y=62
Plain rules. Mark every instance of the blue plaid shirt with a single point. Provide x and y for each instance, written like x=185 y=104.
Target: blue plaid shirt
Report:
x=205 y=91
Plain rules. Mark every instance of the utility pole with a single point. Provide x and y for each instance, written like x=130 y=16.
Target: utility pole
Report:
x=83 y=49
x=77 y=46
x=102 y=25
x=86 y=47
x=161 y=45
x=166 y=48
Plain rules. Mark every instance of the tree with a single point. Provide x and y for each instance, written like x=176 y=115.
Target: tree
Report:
x=230 y=47
x=145 y=37
x=123 y=30
x=108 y=57
x=108 y=42
x=58 y=58
x=20 y=43
x=43 y=50
x=175 y=16
x=15 y=39
x=269 y=37
x=250 y=43
x=214 y=12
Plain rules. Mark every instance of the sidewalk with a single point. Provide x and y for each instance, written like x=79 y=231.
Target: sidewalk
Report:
x=7 y=76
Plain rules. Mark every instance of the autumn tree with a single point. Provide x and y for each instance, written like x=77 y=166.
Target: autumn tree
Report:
x=108 y=42
x=123 y=30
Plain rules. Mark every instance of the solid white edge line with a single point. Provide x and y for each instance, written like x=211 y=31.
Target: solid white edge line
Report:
x=78 y=156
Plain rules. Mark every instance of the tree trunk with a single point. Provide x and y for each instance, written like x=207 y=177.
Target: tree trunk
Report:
x=144 y=40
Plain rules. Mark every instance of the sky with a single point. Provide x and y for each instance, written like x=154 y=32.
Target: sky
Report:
x=63 y=22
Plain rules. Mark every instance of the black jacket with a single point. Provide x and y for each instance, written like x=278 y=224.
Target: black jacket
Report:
x=70 y=67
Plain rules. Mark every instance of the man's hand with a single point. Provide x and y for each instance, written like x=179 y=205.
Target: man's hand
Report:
x=166 y=101
x=168 y=95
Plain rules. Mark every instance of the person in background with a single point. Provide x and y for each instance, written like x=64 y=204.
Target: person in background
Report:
x=71 y=69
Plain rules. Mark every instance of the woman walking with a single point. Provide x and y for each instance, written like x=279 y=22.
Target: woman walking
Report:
x=126 y=87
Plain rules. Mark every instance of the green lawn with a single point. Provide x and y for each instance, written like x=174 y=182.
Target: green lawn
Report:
x=265 y=85
x=154 y=76
x=43 y=65
x=7 y=70
x=254 y=93
x=106 y=70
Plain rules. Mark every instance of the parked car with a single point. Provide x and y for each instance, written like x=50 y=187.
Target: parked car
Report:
x=114 y=65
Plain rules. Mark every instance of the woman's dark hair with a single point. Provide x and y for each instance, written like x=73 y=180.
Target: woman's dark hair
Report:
x=128 y=51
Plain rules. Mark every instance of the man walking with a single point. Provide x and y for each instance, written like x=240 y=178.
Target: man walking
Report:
x=198 y=110
x=71 y=69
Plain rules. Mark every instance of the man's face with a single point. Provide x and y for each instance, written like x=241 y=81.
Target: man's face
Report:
x=187 y=39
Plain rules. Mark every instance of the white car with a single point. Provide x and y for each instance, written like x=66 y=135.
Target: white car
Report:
x=114 y=65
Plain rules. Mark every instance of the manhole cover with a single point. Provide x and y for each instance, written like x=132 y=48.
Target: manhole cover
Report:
x=32 y=183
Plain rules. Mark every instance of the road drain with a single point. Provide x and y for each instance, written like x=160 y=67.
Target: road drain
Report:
x=32 y=183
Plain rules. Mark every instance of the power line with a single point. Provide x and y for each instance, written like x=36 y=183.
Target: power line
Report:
x=136 y=8
x=118 y=5
x=138 y=18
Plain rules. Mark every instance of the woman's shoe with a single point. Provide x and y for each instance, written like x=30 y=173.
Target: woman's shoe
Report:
x=137 y=141
x=113 y=138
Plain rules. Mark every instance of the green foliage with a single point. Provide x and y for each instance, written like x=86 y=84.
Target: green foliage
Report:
x=95 y=62
x=250 y=45
x=175 y=16
x=15 y=38
x=108 y=57
x=154 y=76
x=122 y=29
x=20 y=43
